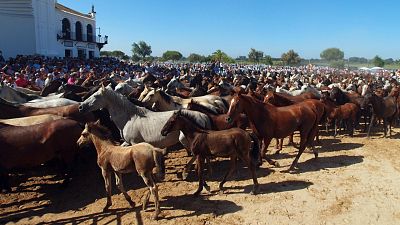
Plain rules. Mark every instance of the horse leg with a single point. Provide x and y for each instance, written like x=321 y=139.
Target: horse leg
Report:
x=277 y=144
x=337 y=122
x=120 y=185
x=4 y=182
x=107 y=182
x=267 y=141
x=148 y=180
x=371 y=124
x=185 y=172
x=228 y=173
x=384 y=127
x=200 y=165
x=303 y=143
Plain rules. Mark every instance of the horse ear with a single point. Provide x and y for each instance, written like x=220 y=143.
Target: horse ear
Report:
x=97 y=122
x=102 y=87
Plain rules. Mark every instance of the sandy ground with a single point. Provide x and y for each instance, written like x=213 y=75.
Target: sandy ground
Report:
x=355 y=181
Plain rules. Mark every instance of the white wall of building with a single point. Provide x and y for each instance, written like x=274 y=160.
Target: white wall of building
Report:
x=17 y=28
x=31 y=27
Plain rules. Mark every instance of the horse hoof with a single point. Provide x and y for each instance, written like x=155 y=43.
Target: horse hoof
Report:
x=185 y=175
x=253 y=192
x=106 y=209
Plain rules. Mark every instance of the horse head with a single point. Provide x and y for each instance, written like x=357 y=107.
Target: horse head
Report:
x=235 y=108
x=170 y=125
x=96 y=101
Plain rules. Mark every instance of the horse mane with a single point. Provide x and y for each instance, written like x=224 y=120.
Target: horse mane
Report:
x=101 y=132
x=126 y=104
x=165 y=96
x=3 y=101
x=284 y=98
x=203 y=108
x=201 y=120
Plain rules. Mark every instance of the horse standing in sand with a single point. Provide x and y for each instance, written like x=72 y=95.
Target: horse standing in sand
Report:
x=142 y=158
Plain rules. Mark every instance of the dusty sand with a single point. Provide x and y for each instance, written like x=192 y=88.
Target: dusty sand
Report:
x=355 y=181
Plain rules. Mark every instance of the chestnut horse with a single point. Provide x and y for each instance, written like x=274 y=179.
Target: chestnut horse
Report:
x=383 y=108
x=268 y=121
x=112 y=158
x=28 y=146
x=234 y=143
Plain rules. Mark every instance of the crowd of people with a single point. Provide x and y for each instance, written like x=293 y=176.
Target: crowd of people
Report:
x=36 y=72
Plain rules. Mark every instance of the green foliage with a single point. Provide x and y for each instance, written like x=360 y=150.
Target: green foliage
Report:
x=332 y=54
x=358 y=60
x=291 y=58
x=222 y=57
x=135 y=58
x=141 y=49
x=337 y=64
x=172 y=55
x=268 y=60
x=196 y=58
x=378 y=61
x=255 y=55
x=105 y=53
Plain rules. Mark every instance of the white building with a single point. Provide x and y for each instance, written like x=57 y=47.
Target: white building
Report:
x=45 y=27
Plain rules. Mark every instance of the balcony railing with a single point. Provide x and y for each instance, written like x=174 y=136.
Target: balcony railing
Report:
x=71 y=36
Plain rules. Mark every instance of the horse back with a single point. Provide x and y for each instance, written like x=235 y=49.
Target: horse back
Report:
x=32 y=145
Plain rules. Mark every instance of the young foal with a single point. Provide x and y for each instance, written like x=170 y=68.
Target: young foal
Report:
x=115 y=159
x=234 y=143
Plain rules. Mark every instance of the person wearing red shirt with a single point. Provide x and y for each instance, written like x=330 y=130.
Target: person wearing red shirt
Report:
x=21 y=81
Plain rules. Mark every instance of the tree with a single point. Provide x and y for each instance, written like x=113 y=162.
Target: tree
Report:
x=291 y=58
x=105 y=53
x=172 y=55
x=268 y=60
x=196 y=58
x=337 y=64
x=332 y=54
x=221 y=56
x=255 y=56
x=118 y=54
x=141 y=49
x=378 y=61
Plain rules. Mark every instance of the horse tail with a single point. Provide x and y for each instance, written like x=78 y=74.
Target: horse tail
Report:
x=158 y=156
x=255 y=150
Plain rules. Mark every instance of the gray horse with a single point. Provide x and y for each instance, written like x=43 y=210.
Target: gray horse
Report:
x=138 y=124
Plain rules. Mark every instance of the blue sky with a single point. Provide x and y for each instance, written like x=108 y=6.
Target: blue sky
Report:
x=363 y=28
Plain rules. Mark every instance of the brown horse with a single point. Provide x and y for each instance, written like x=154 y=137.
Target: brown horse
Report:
x=234 y=143
x=219 y=120
x=383 y=108
x=268 y=121
x=28 y=146
x=112 y=158
x=347 y=113
x=8 y=111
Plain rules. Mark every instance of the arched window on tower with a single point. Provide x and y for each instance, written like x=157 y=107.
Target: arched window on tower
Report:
x=89 y=33
x=66 y=29
x=78 y=31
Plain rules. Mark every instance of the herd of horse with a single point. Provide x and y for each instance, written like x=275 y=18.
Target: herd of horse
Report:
x=132 y=124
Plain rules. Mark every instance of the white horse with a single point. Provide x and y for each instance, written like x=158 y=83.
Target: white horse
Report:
x=11 y=95
x=51 y=103
x=123 y=88
x=162 y=101
x=137 y=124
